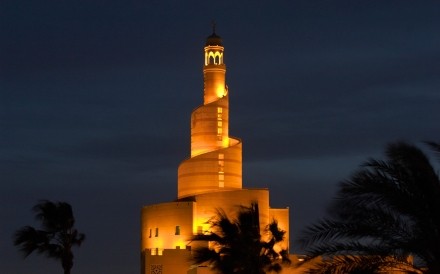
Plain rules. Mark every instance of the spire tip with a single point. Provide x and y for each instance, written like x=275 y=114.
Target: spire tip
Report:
x=213 y=26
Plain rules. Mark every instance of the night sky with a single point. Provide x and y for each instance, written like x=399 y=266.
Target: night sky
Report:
x=96 y=96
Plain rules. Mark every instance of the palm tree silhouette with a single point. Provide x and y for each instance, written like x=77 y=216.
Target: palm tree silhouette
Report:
x=57 y=236
x=236 y=246
x=386 y=216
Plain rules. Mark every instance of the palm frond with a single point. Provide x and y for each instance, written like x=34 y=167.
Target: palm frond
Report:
x=236 y=245
x=435 y=147
x=77 y=238
x=57 y=235
x=388 y=209
x=360 y=265
x=29 y=240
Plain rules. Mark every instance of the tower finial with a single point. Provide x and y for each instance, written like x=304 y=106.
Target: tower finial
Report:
x=213 y=39
x=213 y=26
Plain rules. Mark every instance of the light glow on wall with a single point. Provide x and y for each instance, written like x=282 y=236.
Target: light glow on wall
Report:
x=221 y=170
x=157 y=251
x=179 y=244
x=220 y=91
x=200 y=225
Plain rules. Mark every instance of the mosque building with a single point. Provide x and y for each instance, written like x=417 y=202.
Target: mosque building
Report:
x=211 y=178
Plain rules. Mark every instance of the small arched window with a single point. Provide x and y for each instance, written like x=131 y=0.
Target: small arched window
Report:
x=214 y=58
x=211 y=60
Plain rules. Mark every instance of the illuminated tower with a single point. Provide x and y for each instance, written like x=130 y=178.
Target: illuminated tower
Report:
x=216 y=158
x=211 y=178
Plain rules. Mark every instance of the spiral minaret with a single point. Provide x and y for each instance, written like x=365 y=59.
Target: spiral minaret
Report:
x=211 y=178
x=216 y=159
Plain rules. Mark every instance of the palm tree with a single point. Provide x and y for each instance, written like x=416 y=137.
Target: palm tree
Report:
x=386 y=216
x=236 y=246
x=57 y=236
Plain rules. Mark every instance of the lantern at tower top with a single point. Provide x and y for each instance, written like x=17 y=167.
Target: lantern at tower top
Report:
x=214 y=69
x=214 y=40
x=214 y=49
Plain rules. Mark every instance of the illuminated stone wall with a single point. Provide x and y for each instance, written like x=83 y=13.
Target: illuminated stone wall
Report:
x=175 y=261
x=229 y=202
x=171 y=225
x=166 y=226
x=281 y=215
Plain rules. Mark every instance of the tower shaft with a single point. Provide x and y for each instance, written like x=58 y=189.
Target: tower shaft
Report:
x=216 y=158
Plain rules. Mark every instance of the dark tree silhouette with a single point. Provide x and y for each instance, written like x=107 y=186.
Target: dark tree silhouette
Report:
x=386 y=216
x=57 y=236
x=236 y=246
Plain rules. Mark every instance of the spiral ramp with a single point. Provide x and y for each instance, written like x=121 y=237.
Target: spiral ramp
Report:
x=216 y=158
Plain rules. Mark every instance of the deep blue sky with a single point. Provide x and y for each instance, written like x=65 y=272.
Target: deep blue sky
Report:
x=96 y=96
